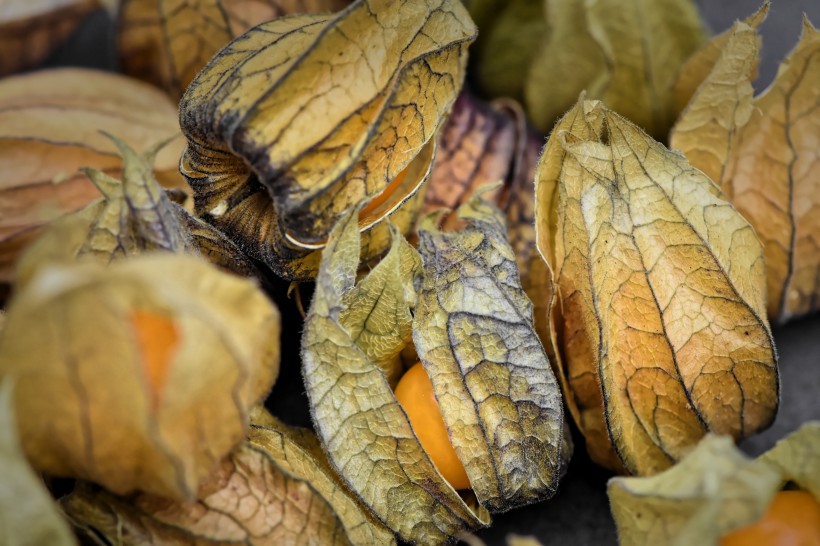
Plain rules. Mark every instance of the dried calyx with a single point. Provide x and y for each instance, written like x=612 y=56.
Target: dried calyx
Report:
x=274 y=166
x=174 y=326
x=166 y=43
x=304 y=501
x=762 y=152
x=134 y=216
x=716 y=493
x=50 y=128
x=32 y=30
x=661 y=285
x=458 y=306
x=626 y=53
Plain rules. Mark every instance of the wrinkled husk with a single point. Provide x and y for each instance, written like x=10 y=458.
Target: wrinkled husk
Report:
x=485 y=144
x=31 y=30
x=714 y=490
x=495 y=387
x=94 y=401
x=28 y=515
x=281 y=144
x=134 y=216
x=480 y=144
x=625 y=52
x=50 y=125
x=473 y=331
x=762 y=151
x=698 y=66
x=166 y=42
x=661 y=287
x=276 y=488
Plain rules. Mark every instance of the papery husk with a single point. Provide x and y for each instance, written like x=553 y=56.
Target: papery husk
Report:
x=661 y=288
x=492 y=144
x=508 y=389
x=275 y=488
x=481 y=143
x=795 y=457
x=166 y=42
x=28 y=515
x=94 y=401
x=362 y=427
x=134 y=216
x=491 y=147
x=282 y=144
x=50 y=125
x=713 y=491
x=31 y=30
x=474 y=333
x=698 y=66
x=762 y=151
x=624 y=52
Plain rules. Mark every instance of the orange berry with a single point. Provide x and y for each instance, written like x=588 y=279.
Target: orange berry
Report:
x=157 y=337
x=792 y=519
x=415 y=394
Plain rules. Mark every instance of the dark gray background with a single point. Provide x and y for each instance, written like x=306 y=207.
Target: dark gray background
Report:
x=579 y=513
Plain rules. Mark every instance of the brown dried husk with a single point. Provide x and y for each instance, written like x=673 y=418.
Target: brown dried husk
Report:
x=50 y=125
x=95 y=400
x=134 y=216
x=762 y=152
x=166 y=42
x=276 y=488
x=661 y=288
x=282 y=144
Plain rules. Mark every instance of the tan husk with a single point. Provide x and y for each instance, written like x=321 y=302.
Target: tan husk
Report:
x=698 y=66
x=714 y=490
x=275 y=488
x=31 y=30
x=480 y=144
x=281 y=144
x=480 y=382
x=138 y=375
x=624 y=52
x=762 y=151
x=473 y=331
x=166 y=42
x=134 y=216
x=363 y=429
x=661 y=288
x=50 y=125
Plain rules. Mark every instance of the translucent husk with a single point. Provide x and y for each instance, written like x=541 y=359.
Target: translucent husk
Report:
x=137 y=375
x=714 y=490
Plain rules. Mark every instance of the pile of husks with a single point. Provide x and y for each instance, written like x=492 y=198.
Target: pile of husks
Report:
x=476 y=293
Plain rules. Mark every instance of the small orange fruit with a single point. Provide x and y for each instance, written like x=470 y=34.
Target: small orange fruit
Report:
x=415 y=394
x=157 y=338
x=793 y=519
